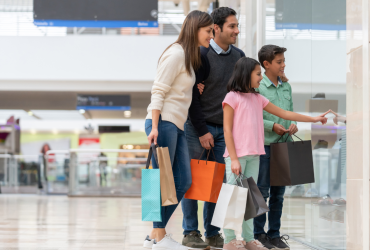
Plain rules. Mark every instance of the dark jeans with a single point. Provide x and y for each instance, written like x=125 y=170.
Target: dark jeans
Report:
x=276 y=195
x=172 y=137
x=190 y=207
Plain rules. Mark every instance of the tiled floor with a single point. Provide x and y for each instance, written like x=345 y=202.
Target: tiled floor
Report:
x=59 y=222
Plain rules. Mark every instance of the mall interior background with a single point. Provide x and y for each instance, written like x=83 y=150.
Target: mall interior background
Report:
x=47 y=71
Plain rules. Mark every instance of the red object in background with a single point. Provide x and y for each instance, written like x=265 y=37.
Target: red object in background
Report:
x=88 y=141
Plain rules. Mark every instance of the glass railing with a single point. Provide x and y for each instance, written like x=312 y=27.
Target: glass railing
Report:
x=98 y=172
x=21 y=173
x=77 y=172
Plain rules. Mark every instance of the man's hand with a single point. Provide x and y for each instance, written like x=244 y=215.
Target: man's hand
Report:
x=284 y=78
x=279 y=129
x=207 y=141
x=293 y=129
x=201 y=87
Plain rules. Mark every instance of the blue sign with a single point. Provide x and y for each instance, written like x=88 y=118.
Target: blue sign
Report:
x=103 y=102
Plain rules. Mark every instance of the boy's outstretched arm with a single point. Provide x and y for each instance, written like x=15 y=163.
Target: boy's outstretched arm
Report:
x=291 y=116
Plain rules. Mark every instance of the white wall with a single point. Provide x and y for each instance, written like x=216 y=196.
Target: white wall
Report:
x=62 y=63
x=128 y=63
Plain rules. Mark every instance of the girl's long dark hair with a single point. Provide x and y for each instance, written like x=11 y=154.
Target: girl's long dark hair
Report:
x=240 y=80
x=188 y=38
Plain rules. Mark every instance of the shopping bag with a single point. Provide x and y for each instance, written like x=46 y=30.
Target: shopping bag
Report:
x=207 y=178
x=256 y=204
x=291 y=163
x=230 y=207
x=168 y=189
x=151 y=190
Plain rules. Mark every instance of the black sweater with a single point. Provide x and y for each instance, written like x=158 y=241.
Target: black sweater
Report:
x=215 y=71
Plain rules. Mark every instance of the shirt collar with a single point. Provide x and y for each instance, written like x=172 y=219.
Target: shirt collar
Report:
x=268 y=82
x=218 y=49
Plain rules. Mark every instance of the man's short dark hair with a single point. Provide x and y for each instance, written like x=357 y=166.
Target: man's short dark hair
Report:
x=268 y=53
x=219 y=16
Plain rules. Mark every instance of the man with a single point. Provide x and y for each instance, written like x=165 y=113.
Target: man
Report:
x=204 y=128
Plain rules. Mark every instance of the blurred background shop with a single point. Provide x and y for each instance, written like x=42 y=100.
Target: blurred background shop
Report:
x=74 y=92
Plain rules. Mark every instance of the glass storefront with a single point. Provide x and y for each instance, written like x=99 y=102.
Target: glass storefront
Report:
x=314 y=33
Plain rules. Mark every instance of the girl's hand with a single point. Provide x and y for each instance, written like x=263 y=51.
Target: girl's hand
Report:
x=152 y=137
x=322 y=118
x=236 y=167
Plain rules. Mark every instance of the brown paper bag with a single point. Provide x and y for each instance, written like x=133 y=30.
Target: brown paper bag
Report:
x=168 y=190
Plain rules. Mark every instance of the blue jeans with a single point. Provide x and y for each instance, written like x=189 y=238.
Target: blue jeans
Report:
x=172 y=137
x=190 y=207
x=276 y=195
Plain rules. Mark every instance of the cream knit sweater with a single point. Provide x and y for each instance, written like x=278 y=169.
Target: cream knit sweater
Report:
x=172 y=88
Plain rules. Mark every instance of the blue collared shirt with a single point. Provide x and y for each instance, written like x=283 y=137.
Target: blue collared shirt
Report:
x=279 y=80
x=218 y=49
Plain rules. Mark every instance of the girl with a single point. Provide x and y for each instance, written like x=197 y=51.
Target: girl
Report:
x=244 y=135
x=168 y=110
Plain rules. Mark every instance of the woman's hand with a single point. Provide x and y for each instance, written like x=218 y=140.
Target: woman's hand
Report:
x=201 y=87
x=284 y=78
x=322 y=118
x=338 y=118
x=152 y=137
x=236 y=167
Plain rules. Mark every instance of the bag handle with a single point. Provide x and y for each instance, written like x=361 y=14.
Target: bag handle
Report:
x=236 y=179
x=288 y=137
x=152 y=150
x=280 y=137
x=293 y=139
x=209 y=151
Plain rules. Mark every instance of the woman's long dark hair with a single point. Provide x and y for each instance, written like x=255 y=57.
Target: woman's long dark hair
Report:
x=188 y=38
x=240 y=80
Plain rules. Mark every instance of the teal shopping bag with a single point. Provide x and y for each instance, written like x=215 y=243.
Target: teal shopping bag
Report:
x=151 y=190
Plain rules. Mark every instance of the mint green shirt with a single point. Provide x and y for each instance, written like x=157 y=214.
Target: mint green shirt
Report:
x=280 y=96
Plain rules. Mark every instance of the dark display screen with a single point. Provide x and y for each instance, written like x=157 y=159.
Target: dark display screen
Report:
x=311 y=14
x=113 y=12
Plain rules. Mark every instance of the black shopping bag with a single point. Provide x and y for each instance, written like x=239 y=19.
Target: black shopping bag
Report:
x=291 y=163
x=256 y=204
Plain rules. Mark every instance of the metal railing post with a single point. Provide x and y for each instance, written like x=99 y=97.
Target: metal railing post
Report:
x=39 y=182
x=72 y=182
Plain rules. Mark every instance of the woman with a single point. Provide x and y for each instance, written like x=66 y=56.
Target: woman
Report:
x=168 y=110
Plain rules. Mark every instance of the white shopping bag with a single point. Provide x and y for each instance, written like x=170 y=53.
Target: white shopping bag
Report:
x=230 y=207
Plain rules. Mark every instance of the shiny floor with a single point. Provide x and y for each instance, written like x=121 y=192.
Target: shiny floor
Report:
x=57 y=222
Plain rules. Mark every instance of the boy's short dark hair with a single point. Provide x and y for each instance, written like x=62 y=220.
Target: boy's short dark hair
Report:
x=219 y=16
x=268 y=53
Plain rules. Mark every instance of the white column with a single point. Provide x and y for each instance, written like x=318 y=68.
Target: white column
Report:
x=366 y=124
x=261 y=23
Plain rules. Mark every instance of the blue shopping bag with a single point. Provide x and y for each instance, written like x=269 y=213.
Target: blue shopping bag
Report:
x=151 y=190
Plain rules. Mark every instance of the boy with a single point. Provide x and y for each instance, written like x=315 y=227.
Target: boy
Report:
x=279 y=93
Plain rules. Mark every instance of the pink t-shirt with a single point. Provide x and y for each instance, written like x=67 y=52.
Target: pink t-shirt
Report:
x=248 y=129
